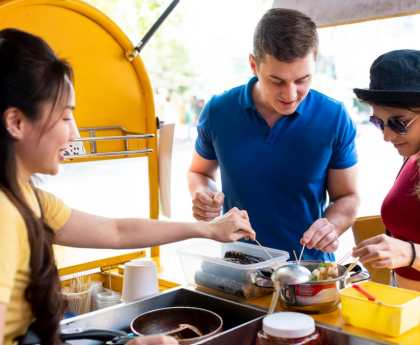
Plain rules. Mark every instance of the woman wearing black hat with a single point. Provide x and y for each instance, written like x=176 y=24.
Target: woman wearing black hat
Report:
x=394 y=95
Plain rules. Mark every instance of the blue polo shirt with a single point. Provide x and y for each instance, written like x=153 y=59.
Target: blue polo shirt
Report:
x=279 y=176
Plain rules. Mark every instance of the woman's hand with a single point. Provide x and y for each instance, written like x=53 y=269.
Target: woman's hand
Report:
x=226 y=228
x=153 y=340
x=387 y=252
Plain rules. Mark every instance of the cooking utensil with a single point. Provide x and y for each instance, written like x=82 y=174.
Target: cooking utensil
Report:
x=300 y=257
x=366 y=293
x=266 y=252
x=299 y=297
x=344 y=258
x=295 y=256
x=31 y=337
x=285 y=275
x=317 y=297
x=167 y=319
x=291 y=274
x=353 y=265
x=183 y=327
x=157 y=322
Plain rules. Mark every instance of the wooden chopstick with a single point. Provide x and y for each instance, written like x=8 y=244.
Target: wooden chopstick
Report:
x=295 y=256
x=266 y=252
x=352 y=265
x=300 y=257
x=344 y=258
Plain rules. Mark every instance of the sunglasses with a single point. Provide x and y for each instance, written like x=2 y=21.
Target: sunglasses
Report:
x=394 y=125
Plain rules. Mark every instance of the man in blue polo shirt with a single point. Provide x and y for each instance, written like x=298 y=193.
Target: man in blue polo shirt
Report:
x=281 y=147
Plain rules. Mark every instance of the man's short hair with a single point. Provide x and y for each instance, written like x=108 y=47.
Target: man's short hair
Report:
x=286 y=35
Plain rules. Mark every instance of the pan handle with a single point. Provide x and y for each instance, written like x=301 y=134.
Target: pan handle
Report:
x=259 y=280
x=358 y=277
x=90 y=333
x=120 y=340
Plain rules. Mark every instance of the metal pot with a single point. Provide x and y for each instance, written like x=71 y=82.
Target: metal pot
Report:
x=314 y=297
x=166 y=319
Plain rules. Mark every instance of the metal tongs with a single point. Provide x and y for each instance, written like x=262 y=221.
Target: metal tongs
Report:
x=183 y=327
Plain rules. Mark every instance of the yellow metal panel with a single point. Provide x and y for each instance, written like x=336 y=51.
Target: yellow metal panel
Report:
x=110 y=90
x=104 y=263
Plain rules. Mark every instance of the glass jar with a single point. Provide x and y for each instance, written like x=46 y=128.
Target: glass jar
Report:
x=288 y=328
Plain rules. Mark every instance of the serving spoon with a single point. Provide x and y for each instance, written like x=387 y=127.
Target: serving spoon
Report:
x=287 y=275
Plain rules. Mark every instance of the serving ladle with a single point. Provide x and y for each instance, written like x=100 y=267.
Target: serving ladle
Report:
x=287 y=275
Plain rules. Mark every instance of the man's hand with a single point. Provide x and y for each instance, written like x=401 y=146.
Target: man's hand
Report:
x=385 y=251
x=321 y=236
x=207 y=205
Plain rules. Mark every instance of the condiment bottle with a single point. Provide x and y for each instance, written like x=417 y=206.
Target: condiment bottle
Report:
x=288 y=328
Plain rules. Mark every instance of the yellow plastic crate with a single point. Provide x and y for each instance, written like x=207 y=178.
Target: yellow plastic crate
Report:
x=399 y=312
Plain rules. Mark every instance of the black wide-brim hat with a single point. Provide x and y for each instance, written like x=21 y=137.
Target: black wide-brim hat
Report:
x=394 y=77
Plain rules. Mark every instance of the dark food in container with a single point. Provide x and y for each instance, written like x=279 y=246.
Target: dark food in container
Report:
x=242 y=258
x=227 y=279
x=224 y=284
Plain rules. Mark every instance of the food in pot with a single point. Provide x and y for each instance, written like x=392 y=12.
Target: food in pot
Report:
x=326 y=271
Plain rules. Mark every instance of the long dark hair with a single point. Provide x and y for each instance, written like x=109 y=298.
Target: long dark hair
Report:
x=30 y=76
x=413 y=106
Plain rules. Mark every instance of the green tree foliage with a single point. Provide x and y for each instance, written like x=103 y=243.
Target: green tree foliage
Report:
x=166 y=55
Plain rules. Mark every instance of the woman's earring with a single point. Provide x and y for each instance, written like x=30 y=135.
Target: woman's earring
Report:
x=13 y=134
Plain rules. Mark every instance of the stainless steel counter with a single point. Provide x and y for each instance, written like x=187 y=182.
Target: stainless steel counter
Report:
x=241 y=321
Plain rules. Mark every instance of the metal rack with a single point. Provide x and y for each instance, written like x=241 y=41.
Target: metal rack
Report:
x=92 y=139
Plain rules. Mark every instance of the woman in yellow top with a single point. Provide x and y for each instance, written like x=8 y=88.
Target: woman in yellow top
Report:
x=36 y=104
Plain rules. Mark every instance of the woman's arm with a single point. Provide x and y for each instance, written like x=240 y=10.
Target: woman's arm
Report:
x=387 y=252
x=3 y=308
x=88 y=231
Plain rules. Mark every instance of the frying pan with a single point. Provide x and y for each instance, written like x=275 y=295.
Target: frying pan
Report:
x=154 y=322
x=163 y=320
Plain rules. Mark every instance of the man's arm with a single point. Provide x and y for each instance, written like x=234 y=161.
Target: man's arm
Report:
x=207 y=201
x=340 y=213
x=344 y=198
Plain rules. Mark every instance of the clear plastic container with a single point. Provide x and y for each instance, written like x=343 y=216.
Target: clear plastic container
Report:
x=107 y=299
x=202 y=266
x=288 y=328
x=97 y=287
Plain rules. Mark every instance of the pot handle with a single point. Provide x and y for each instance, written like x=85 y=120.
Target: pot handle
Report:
x=90 y=333
x=124 y=339
x=358 y=277
x=261 y=281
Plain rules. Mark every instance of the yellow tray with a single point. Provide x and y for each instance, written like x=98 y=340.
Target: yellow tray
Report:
x=399 y=312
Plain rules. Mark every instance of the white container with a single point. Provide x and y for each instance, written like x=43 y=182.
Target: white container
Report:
x=204 y=257
x=140 y=280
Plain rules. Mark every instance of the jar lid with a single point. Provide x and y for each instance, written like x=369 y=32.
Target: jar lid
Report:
x=288 y=325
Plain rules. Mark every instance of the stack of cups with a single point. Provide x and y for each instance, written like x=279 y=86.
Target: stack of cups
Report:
x=97 y=287
x=107 y=299
x=140 y=280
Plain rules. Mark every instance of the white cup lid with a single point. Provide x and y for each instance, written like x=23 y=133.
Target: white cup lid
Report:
x=288 y=325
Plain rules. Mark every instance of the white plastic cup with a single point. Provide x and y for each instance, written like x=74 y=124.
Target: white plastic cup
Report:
x=140 y=280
